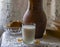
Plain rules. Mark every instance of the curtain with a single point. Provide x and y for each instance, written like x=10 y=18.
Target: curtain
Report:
x=11 y=10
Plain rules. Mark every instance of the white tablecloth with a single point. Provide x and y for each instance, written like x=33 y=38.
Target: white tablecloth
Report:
x=11 y=41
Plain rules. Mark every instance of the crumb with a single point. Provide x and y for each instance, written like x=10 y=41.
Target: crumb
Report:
x=19 y=39
x=37 y=41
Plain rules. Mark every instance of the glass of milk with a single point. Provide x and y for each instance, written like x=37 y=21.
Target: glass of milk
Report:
x=28 y=33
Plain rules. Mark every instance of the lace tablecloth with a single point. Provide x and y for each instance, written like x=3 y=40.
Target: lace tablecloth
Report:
x=11 y=41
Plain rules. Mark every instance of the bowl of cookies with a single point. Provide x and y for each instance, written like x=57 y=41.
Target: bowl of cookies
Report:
x=13 y=27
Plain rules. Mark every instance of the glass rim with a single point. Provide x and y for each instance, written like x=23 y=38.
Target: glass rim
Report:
x=30 y=24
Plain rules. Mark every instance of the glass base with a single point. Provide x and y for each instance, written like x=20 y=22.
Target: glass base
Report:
x=25 y=45
x=28 y=42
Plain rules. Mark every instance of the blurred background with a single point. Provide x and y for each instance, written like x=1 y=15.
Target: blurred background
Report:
x=11 y=10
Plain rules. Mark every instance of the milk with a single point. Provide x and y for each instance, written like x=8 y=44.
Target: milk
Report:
x=28 y=34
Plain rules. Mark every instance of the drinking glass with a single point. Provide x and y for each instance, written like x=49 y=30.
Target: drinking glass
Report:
x=28 y=33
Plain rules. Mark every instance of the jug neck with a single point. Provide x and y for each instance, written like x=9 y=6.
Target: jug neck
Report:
x=36 y=5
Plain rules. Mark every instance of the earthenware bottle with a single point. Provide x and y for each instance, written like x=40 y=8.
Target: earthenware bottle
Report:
x=35 y=14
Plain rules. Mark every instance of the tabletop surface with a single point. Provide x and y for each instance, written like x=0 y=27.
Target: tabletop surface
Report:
x=11 y=41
